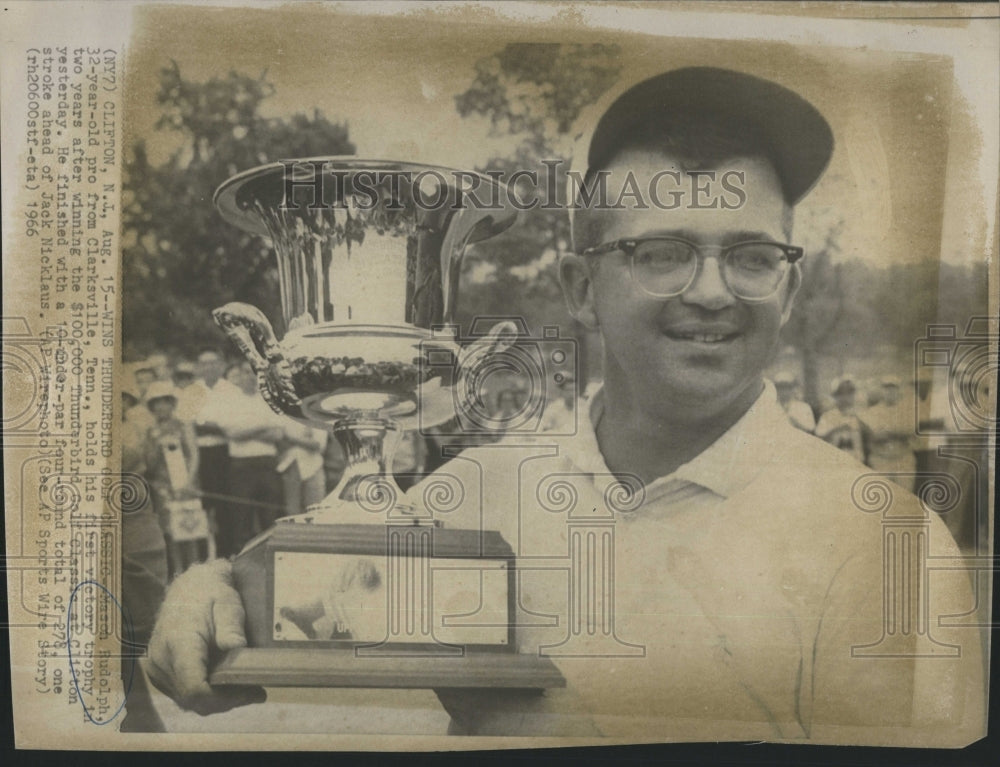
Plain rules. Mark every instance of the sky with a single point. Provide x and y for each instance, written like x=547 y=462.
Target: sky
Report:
x=916 y=146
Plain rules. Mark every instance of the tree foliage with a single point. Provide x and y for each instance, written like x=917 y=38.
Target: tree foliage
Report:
x=532 y=94
x=535 y=92
x=820 y=304
x=856 y=309
x=180 y=259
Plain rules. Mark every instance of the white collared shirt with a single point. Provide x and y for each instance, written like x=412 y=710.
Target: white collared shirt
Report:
x=740 y=583
x=724 y=467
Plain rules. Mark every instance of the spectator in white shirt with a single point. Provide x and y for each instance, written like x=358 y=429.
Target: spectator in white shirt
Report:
x=893 y=434
x=188 y=396
x=143 y=376
x=799 y=413
x=301 y=467
x=255 y=433
x=207 y=398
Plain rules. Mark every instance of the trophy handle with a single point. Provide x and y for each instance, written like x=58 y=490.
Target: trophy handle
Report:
x=474 y=359
x=250 y=330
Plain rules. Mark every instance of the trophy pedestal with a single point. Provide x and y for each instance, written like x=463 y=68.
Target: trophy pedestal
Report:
x=399 y=605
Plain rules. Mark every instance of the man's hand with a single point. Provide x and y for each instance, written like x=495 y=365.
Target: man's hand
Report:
x=202 y=615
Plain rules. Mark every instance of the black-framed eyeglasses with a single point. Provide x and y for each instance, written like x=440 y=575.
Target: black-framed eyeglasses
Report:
x=665 y=267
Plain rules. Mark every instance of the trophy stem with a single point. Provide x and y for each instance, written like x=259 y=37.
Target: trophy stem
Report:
x=369 y=443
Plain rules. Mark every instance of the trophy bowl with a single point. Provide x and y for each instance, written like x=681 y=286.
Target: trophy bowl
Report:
x=369 y=256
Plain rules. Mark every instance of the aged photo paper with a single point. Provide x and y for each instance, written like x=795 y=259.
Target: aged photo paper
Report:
x=433 y=376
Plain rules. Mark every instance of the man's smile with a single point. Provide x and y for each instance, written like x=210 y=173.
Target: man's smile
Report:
x=704 y=333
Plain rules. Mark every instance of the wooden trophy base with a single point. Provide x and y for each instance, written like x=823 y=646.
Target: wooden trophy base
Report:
x=379 y=605
x=270 y=667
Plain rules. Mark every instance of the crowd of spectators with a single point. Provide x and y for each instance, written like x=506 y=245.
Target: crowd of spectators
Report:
x=896 y=429
x=221 y=466
x=876 y=427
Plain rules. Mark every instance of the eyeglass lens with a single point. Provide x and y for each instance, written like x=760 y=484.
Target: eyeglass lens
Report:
x=666 y=267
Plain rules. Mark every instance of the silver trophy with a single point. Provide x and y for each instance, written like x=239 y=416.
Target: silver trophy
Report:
x=369 y=257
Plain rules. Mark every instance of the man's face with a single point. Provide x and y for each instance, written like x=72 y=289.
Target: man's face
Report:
x=143 y=379
x=162 y=408
x=160 y=365
x=844 y=400
x=694 y=355
x=210 y=366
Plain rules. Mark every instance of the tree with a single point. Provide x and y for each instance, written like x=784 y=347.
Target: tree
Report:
x=533 y=95
x=819 y=305
x=534 y=92
x=180 y=259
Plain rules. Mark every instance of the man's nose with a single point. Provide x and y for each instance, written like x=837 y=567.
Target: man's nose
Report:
x=709 y=289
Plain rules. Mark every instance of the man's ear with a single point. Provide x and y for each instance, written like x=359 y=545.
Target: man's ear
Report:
x=791 y=289
x=576 y=279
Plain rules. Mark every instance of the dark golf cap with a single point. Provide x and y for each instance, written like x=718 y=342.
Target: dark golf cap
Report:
x=799 y=139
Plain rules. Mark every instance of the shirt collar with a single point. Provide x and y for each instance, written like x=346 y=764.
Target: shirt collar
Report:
x=725 y=467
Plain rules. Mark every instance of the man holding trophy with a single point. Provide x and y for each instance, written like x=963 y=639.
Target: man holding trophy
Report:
x=743 y=589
